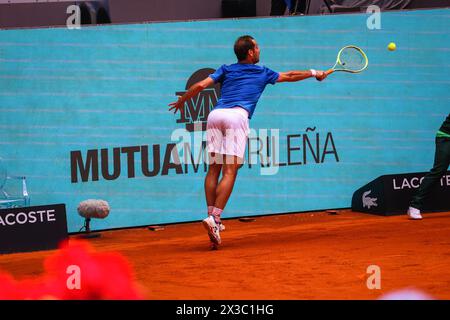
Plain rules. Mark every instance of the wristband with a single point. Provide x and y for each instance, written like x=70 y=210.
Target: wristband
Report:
x=313 y=72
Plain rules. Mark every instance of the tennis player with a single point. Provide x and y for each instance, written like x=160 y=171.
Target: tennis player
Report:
x=440 y=167
x=228 y=123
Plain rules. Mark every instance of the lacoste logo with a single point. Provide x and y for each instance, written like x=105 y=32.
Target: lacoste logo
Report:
x=368 y=201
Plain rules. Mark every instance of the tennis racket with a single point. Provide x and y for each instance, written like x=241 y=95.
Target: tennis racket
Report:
x=350 y=59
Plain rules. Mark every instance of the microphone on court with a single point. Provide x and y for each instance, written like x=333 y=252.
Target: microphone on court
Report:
x=92 y=208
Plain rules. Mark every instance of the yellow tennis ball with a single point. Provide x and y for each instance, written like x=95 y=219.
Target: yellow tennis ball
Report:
x=392 y=46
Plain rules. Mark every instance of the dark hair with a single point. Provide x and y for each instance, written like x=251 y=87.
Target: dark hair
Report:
x=242 y=45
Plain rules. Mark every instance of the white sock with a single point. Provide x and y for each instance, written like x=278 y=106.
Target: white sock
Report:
x=210 y=210
x=216 y=214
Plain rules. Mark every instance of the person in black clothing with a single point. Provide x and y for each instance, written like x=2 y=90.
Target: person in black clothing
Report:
x=295 y=6
x=440 y=167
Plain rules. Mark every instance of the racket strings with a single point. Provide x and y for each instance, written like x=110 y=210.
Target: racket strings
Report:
x=352 y=59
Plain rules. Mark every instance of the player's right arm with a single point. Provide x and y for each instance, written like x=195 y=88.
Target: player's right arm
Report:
x=193 y=91
x=293 y=76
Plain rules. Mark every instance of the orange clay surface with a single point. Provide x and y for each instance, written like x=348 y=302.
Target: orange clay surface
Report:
x=295 y=256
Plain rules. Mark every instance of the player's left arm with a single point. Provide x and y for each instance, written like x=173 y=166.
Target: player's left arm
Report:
x=297 y=75
x=193 y=91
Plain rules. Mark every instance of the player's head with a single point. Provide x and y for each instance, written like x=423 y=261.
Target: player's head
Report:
x=246 y=48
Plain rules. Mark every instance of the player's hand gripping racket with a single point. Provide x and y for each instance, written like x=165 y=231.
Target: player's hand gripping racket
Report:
x=350 y=59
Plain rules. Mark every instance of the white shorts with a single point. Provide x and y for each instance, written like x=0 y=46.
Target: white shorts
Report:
x=227 y=130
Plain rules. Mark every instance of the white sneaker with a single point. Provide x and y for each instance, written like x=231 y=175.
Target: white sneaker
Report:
x=213 y=230
x=414 y=213
x=221 y=225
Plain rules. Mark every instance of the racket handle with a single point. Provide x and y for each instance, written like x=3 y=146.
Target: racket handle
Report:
x=330 y=71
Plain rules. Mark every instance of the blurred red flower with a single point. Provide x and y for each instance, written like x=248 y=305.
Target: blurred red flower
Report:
x=76 y=272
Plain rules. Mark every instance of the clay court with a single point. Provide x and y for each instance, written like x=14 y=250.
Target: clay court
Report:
x=295 y=256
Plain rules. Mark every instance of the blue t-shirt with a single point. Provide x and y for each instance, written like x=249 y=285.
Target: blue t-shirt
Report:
x=242 y=85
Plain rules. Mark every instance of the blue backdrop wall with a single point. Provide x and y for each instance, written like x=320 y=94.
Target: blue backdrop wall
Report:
x=66 y=95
